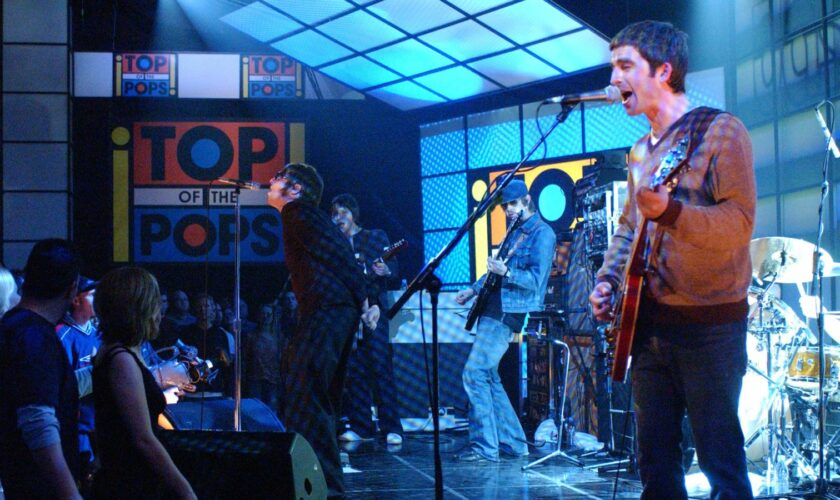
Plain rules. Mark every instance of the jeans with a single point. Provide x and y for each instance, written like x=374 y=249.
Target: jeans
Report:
x=493 y=422
x=370 y=379
x=702 y=373
x=315 y=371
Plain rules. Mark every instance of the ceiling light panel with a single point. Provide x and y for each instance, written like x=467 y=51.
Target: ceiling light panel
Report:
x=529 y=21
x=261 y=22
x=457 y=83
x=466 y=40
x=360 y=73
x=406 y=95
x=360 y=30
x=415 y=16
x=301 y=46
x=312 y=11
x=513 y=68
x=410 y=58
x=476 y=6
x=577 y=51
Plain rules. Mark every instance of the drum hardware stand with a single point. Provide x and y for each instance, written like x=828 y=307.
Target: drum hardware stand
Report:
x=609 y=456
x=559 y=394
x=822 y=482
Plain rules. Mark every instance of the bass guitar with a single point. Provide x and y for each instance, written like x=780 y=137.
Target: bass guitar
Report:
x=492 y=279
x=625 y=308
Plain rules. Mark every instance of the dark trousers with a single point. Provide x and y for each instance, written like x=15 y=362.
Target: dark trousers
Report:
x=702 y=375
x=370 y=378
x=317 y=362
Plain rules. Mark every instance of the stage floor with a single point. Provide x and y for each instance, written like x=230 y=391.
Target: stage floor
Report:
x=407 y=472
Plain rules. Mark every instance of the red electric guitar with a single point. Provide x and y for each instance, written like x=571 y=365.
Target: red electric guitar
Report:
x=625 y=309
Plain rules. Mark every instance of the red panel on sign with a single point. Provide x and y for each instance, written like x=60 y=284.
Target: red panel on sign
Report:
x=193 y=153
x=145 y=63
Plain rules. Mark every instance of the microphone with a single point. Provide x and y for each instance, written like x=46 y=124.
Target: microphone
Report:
x=240 y=183
x=829 y=140
x=609 y=93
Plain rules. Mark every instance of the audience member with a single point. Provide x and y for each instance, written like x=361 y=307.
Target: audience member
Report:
x=169 y=330
x=210 y=340
x=9 y=297
x=179 y=310
x=80 y=338
x=39 y=398
x=262 y=358
x=128 y=399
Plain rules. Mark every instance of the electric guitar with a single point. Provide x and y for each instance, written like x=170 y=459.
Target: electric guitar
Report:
x=492 y=278
x=387 y=253
x=625 y=308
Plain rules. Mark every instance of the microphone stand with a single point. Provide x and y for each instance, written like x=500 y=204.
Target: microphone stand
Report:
x=822 y=482
x=237 y=322
x=426 y=280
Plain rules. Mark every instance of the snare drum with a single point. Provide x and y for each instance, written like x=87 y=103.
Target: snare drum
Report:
x=803 y=370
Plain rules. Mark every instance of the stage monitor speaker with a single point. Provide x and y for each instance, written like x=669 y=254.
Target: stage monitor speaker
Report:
x=226 y=464
x=217 y=415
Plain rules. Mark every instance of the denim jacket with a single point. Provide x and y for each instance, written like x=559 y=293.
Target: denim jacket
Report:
x=523 y=289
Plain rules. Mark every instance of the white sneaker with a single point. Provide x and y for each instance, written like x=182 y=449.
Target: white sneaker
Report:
x=393 y=438
x=349 y=436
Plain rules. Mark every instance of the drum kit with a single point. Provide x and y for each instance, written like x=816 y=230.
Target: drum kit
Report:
x=779 y=398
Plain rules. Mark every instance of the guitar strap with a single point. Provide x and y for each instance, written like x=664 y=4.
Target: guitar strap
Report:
x=698 y=123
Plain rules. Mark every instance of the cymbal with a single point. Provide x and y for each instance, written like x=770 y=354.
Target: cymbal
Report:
x=790 y=260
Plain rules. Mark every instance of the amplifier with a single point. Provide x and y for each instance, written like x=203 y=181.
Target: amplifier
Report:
x=602 y=207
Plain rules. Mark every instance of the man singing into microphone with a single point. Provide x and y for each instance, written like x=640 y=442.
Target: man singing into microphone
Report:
x=689 y=351
x=332 y=294
x=494 y=426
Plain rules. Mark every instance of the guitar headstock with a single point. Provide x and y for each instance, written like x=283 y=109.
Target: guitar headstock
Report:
x=390 y=250
x=673 y=164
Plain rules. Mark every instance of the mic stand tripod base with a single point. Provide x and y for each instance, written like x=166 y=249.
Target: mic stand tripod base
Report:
x=559 y=403
x=555 y=453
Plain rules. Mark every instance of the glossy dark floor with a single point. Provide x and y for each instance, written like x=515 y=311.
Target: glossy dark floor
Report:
x=407 y=472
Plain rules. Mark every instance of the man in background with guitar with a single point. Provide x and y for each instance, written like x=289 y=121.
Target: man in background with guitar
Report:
x=688 y=278
x=517 y=277
x=370 y=370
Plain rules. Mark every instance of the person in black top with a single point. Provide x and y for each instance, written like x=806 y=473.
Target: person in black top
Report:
x=39 y=398
x=332 y=294
x=371 y=370
x=127 y=398
x=210 y=340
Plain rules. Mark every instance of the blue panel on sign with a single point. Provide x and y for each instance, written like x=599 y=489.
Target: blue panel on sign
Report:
x=529 y=21
x=494 y=144
x=580 y=50
x=442 y=153
x=444 y=201
x=609 y=127
x=455 y=268
x=565 y=140
x=145 y=88
x=187 y=235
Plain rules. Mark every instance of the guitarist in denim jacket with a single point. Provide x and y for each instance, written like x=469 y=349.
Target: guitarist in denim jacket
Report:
x=689 y=348
x=493 y=424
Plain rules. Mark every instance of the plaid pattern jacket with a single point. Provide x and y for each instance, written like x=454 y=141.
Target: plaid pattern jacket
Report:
x=703 y=257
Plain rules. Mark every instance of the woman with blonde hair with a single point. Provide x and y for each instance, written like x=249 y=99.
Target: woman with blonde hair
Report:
x=127 y=399
x=9 y=297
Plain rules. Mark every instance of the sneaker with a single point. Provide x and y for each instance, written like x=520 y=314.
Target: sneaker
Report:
x=349 y=436
x=472 y=457
x=393 y=438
